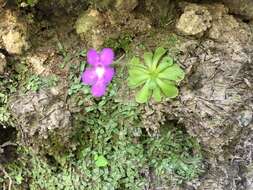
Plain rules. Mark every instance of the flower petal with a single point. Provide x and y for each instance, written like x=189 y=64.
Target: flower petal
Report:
x=89 y=76
x=106 y=56
x=98 y=89
x=92 y=57
x=108 y=75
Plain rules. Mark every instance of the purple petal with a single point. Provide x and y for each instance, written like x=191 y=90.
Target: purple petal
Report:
x=109 y=73
x=106 y=56
x=89 y=76
x=98 y=89
x=92 y=57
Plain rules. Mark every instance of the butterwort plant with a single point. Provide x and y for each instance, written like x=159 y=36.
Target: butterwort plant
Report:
x=157 y=75
x=99 y=73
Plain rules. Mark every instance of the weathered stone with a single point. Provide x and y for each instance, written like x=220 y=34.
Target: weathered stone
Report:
x=37 y=61
x=13 y=33
x=160 y=10
x=125 y=5
x=2 y=63
x=119 y=5
x=240 y=7
x=195 y=20
x=44 y=122
x=14 y=42
x=87 y=26
x=88 y=21
x=228 y=29
x=95 y=27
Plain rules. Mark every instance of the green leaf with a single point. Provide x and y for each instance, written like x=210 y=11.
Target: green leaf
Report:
x=168 y=88
x=148 y=58
x=165 y=63
x=101 y=161
x=152 y=84
x=135 y=63
x=143 y=95
x=137 y=77
x=173 y=73
x=157 y=94
x=159 y=52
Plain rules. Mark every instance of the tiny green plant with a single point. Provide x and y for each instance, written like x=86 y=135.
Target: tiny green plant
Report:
x=159 y=76
x=35 y=82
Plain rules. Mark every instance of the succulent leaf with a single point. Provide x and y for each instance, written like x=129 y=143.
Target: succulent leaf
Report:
x=173 y=73
x=144 y=94
x=159 y=52
x=168 y=88
x=164 y=64
x=157 y=95
x=137 y=78
x=148 y=58
x=136 y=63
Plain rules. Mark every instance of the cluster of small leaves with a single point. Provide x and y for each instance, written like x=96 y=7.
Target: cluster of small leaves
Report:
x=121 y=43
x=159 y=76
x=35 y=82
x=184 y=162
x=75 y=84
x=7 y=86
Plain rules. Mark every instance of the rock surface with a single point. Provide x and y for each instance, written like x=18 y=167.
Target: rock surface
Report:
x=44 y=122
x=159 y=10
x=87 y=26
x=125 y=5
x=13 y=33
x=240 y=7
x=95 y=27
x=195 y=20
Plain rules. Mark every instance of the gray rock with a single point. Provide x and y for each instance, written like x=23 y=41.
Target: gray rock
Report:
x=44 y=122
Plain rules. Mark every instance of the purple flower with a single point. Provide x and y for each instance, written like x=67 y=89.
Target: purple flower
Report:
x=100 y=73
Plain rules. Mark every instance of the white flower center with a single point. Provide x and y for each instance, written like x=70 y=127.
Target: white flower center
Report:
x=100 y=72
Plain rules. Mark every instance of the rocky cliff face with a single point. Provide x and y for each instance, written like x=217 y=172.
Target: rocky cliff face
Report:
x=215 y=49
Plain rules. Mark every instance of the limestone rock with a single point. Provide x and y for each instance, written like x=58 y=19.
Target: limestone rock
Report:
x=37 y=61
x=125 y=5
x=2 y=63
x=13 y=33
x=160 y=10
x=95 y=27
x=14 y=42
x=88 y=26
x=88 y=21
x=119 y=5
x=195 y=20
x=44 y=121
x=240 y=7
x=228 y=29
